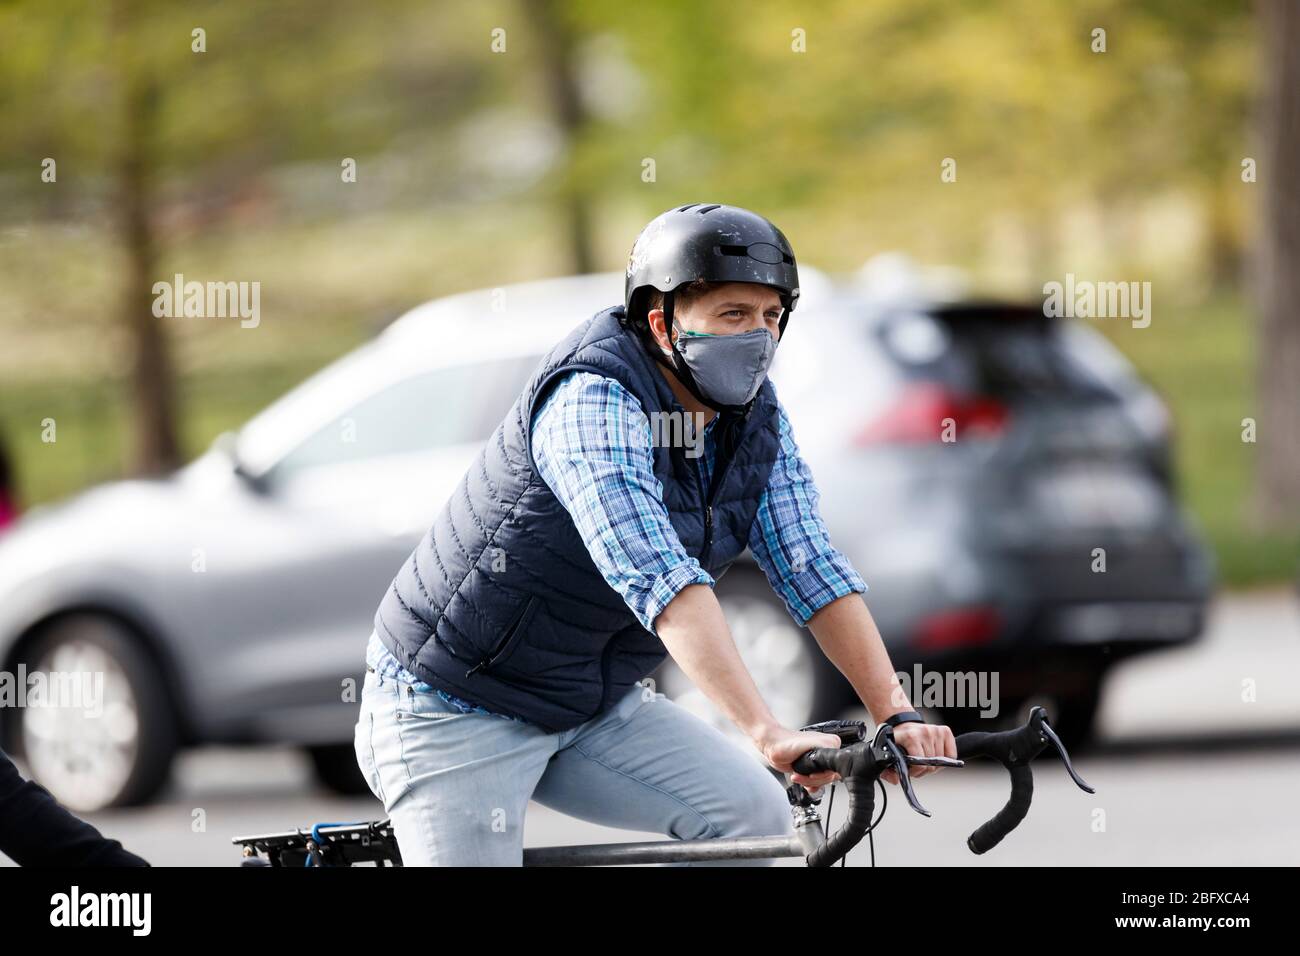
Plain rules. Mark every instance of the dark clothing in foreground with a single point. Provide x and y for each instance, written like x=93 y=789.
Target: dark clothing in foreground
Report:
x=36 y=831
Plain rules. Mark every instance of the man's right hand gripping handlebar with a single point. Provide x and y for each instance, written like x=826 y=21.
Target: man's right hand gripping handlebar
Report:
x=859 y=765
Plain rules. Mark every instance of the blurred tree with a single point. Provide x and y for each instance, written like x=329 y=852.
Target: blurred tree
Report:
x=833 y=119
x=155 y=446
x=838 y=117
x=171 y=136
x=555 y=39
x=1278 y=267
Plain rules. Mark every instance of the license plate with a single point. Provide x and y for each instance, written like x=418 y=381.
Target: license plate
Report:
x=1146 y=620
x=1098 y=497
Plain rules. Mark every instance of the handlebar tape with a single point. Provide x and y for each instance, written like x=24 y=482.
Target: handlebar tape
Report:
x=998 y=747
x=980 y=743
x=1008 y=818
x=862 y=802
x=814 y=761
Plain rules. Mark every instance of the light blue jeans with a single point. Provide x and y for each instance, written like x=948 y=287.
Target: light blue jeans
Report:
x=457 y=786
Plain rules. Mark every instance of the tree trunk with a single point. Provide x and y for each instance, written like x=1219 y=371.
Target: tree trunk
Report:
x=1278 y=268
x=556 y=40
x=154 y=445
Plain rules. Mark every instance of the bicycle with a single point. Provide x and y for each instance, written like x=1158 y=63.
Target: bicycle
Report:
x=858 y=762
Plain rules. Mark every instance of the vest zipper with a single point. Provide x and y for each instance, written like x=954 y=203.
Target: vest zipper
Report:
x=715 y=486
x=501 y=645
x=708 y=513
x=708 y=531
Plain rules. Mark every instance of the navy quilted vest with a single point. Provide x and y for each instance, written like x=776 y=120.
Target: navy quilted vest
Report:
x=501 y=603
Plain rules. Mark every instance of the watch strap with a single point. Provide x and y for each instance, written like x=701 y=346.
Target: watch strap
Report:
x=904 y=717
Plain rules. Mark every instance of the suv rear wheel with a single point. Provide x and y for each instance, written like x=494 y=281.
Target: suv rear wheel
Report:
x=1072 y=712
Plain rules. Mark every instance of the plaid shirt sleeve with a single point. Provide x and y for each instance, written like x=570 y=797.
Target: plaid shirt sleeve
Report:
x=591 y=442
x=790 y=542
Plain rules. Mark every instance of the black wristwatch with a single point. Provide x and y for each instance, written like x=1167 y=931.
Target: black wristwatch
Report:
x=904 y=717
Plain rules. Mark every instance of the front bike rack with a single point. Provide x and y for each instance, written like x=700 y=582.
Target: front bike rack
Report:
x=325 y=844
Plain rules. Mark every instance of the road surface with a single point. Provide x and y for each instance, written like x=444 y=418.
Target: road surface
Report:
x=1187 y=772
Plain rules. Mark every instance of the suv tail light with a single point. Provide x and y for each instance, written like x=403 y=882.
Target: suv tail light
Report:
x=924 y=411
x=964 y=627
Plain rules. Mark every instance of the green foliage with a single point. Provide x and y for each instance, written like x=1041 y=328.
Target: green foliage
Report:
x=1123 y=164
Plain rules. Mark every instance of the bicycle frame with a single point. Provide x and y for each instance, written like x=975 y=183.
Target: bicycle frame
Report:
x=667 y=851
x=807 y=837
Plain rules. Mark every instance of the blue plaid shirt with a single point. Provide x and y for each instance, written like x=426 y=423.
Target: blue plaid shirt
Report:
x=592 y=445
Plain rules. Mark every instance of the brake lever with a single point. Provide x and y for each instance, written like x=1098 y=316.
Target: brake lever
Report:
x=933 y=761
x=885 y=737
x=1048 y=735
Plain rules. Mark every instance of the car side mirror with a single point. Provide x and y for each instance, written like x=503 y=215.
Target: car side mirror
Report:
x=227 y=445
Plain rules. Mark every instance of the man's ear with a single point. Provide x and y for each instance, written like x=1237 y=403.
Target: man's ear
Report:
x=656 y=319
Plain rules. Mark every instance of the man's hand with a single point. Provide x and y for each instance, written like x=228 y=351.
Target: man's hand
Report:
x=781 y=748
x=922 y=740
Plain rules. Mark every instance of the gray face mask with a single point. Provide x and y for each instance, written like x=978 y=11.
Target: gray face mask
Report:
x=727 y=368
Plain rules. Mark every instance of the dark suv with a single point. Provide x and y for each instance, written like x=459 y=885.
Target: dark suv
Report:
x=1002 y=481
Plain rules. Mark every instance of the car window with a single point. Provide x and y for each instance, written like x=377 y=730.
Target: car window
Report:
x=1014 y=355
x=436 y=409
x=1092 y=350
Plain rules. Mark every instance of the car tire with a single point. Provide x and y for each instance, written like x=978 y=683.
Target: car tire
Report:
x=961 y=720
x=1072 y=716
x=336 y=768
x=793 y=675
x=1076 y=720
x=124 y=757
x=1072 y=708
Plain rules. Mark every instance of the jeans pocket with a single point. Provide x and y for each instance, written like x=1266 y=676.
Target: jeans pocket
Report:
x=407 y=716
x=423 y=706
x=364 y=745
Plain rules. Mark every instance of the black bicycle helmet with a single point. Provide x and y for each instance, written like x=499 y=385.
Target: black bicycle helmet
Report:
x=713 y=242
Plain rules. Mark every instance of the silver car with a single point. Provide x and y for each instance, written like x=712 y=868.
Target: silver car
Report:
x=231 y=601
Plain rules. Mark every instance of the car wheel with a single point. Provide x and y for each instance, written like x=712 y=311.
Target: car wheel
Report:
x=105 y=740
x=1076 y=719
x=961 y=720
x=792 y=674
x=336 y=768
x=1072 y=698
x=1073 y=717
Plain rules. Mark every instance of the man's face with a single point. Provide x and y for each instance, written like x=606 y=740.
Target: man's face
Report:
x=728 y=309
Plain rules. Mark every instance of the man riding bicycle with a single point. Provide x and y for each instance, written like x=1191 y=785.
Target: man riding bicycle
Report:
x=579 y=549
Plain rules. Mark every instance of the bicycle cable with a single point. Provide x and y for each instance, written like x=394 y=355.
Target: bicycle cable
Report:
x=871 y=840
x=319 y=840
x=830 y=805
